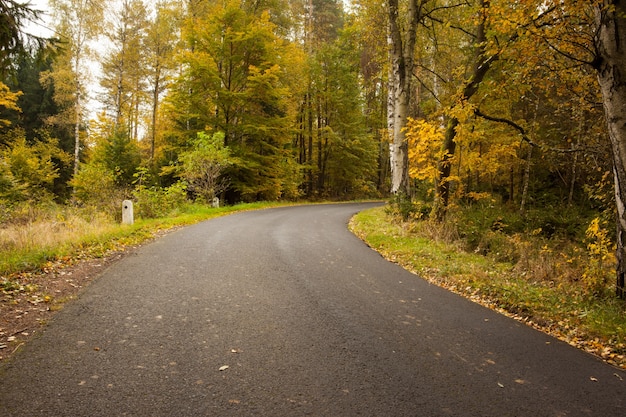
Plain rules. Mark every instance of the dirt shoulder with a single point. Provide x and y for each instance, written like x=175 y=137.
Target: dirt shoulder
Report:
x=29 y=300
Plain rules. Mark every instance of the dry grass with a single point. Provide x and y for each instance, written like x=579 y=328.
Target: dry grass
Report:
x=47 y=233
x=33 y=235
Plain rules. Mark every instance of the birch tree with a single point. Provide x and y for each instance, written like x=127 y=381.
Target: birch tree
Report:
x=610 y=63
x=401 y=40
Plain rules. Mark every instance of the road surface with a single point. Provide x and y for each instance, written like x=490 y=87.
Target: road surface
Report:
x=283 y=312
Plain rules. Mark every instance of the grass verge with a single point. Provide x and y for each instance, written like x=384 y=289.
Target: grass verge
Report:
x=595 y=324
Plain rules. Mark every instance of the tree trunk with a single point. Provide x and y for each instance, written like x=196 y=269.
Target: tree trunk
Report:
x=574 y=171
x=444 y=167
x=526 y=183
x=401 y=54
x=155 y=109
x=611 y=68
x=78 y=115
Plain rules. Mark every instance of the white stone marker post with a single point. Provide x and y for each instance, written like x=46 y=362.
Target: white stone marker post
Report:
x=127 y=212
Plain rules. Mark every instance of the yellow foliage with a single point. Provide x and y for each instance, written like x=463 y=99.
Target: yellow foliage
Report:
x=424 y=139
x=479 y=196
x=601 y=252
x=8 y=100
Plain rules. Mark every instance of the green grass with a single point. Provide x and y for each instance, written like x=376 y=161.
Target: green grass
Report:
x=563 y=309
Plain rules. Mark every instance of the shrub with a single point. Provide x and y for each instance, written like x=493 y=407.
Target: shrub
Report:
x=601 y=264
x=156 y=202
x=401 y=205
x=95 y=187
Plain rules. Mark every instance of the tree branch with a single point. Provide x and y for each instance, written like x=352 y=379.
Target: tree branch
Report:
x=508 y=122
x=523 y=133
x=432 y=93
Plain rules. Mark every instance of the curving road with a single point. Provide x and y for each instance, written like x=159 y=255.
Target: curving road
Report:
x=283 y=312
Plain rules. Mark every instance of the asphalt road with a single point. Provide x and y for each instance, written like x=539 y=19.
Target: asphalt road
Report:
x=283 y=312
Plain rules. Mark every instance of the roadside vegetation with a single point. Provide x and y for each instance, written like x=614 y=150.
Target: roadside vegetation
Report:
x=41 y=236
x=553 y=272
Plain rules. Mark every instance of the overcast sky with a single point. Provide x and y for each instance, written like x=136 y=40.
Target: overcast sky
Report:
x=43 y=27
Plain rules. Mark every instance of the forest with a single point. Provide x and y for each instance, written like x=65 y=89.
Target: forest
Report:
x=512 y=109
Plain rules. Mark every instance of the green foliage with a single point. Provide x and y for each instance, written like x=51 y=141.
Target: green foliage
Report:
x=204 y=164
x=10 y=189
x=27 y=172
x=241 y=74
x=403 y=206
x=121 y=155
x=338 y=153
x=155 y=202
x=95 y=186
x=13 y=39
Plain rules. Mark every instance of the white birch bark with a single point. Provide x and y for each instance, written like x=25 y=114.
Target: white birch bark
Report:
x=401 y=55
x=611 y=70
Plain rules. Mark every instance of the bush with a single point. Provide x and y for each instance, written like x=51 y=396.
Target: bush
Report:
x=156 y=202
x=95 y=187
x=402 y=205
x=600 y=267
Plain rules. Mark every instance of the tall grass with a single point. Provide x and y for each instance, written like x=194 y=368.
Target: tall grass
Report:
x=28 y=241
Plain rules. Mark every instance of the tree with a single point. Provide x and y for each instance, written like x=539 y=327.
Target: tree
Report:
x=236 y=78
x=346 y=152
x=160 y=45
x=124 y=68
x=401 y=55
x=610 y=63
x=481 y=64
x=13 y=39
x=320 y=23
x=204 y=164
x=79 y=23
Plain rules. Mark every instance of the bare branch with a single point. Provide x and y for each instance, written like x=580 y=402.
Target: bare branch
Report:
x=432 y=93
x=508 y=122
x=524 y=135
